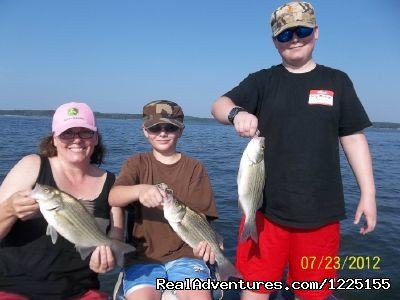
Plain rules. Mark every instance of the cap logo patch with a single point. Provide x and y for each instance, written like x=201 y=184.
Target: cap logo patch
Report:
x=160 y=108
x=72 y=111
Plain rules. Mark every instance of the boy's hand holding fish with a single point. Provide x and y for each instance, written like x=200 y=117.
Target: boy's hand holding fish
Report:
x=204 y=250
x=151 y=195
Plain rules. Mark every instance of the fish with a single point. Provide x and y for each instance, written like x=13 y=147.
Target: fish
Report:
x=68 y=217
x=250 y=182
x=193 y=228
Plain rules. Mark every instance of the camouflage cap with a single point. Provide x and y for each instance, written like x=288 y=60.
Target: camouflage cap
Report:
x=292 y=14
x=162 y=111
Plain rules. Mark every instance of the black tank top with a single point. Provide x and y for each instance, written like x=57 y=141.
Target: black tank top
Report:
x=30 y=264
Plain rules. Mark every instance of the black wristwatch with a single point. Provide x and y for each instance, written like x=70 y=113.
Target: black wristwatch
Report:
x=234 y=111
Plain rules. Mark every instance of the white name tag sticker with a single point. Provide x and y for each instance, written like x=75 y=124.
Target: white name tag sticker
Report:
x=321 y=97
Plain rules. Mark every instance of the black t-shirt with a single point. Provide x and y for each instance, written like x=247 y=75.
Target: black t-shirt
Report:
x=301 y=116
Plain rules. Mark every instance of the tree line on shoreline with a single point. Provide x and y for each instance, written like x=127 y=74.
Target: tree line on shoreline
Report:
x=99 y=115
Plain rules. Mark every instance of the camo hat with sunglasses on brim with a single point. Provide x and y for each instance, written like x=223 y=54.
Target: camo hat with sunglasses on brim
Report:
x=162 y=111
x=292 y=14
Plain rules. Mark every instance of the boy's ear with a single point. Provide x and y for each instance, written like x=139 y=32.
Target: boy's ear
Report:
x=316 y=32
x=146 y=134
x=180 y=132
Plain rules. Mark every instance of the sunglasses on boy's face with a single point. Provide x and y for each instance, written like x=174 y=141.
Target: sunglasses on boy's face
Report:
x=165 y=127
x=287 y=35
x=69 y=134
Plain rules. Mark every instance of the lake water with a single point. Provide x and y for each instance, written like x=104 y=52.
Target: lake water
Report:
x=220 y=149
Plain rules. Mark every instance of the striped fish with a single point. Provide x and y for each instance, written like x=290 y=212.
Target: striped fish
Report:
x=250 y=181
x=68 y=217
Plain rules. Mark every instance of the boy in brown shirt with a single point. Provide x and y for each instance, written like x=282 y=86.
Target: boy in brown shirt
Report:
x=161 y=253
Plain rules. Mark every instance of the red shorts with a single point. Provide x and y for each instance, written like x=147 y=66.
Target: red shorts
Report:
x=11 y=296
x=93 y=295
x=308 y=253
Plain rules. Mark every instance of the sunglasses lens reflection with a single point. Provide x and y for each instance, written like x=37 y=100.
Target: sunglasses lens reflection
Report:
x=287 y=35
x=166 y=128
x=69 y=135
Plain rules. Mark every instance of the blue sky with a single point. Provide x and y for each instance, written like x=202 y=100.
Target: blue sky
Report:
x=118 y=55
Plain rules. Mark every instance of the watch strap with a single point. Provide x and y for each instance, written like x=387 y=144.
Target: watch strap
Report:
x=234 y=111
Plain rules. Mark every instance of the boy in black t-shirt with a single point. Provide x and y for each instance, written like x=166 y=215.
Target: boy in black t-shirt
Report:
x=303 y=109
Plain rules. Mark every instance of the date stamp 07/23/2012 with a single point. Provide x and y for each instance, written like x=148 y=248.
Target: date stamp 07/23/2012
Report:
x=349 y=262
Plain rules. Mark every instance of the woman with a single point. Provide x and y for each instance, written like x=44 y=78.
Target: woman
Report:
x=30 y=264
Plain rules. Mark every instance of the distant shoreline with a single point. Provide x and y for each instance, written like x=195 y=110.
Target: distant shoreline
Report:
x=99 y=115
x=122 y=116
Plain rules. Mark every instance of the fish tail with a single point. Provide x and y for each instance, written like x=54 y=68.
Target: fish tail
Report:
x=119 y=249
x=249 y=230
x=226 y=270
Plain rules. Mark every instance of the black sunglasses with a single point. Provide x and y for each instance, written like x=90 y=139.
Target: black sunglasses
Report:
x=287 y=35
x=166 y=128
x=69 y=134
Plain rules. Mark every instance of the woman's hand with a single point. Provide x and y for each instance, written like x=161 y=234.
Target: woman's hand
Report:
x=22 y=205
x=102 y=260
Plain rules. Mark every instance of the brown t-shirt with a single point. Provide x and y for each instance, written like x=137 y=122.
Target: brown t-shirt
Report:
x=154 y=239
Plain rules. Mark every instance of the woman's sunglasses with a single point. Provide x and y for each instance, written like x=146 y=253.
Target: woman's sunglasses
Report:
x=69 y=134
x=166 y=128
x=287 y=35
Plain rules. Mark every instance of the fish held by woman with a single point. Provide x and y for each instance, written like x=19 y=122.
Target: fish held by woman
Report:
x=68 y=217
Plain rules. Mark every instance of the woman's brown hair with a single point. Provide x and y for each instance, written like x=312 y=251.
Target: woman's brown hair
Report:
x=47 y=148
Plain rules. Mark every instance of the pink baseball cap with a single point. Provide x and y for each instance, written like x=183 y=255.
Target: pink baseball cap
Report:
x=73 y=114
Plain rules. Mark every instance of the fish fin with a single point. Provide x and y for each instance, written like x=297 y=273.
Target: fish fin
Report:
x=239 y=175
x=203 y=216
x=226 y=269
x=52 y=232
x=119 y=249
x=249 y=230
x=260 y=200
x=84 y=251
x=240 y=205
x=220 y=240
